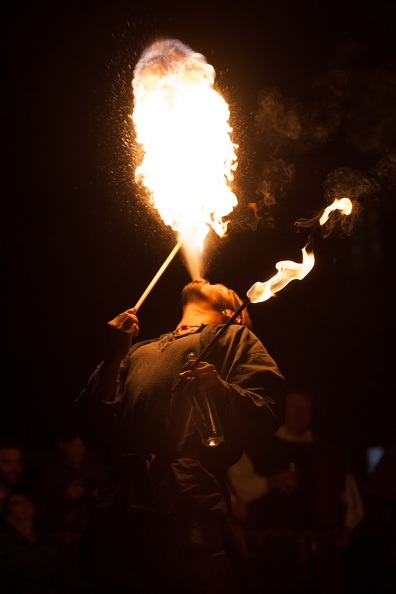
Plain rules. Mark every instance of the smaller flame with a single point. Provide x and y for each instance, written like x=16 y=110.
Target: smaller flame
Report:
x=344 y=205
x=288 y=271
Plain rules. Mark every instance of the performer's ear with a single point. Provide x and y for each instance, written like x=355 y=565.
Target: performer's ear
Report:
x=228 y=313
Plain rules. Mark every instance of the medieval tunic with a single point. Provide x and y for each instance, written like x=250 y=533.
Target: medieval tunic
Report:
x=149 y=433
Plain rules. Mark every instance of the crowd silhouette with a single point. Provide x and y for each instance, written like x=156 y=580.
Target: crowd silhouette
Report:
x=46 y=498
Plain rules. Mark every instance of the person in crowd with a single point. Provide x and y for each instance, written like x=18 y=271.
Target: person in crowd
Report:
x=11 y=468
x=65 y=488
x=64 y=493
x=29 y=563
x=301 y=505
x=168 y=425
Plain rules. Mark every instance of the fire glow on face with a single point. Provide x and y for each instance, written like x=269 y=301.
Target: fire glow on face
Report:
x=188 y=157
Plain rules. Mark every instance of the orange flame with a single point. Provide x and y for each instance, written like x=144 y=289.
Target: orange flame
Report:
x=288 y=271
x=181 y=123
x=344 y=205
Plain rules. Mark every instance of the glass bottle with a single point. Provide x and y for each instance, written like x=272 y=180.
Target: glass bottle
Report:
x=206 y=415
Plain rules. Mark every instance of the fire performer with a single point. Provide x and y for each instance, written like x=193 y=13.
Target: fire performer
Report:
x=162 y=520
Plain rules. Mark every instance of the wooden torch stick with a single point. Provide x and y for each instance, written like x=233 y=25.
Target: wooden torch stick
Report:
x=159 y=273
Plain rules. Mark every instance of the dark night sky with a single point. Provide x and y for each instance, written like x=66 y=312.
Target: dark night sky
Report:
x=312 y=94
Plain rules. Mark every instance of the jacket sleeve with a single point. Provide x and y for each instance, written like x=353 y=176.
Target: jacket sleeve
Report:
x=256 y=387
x=95 y=418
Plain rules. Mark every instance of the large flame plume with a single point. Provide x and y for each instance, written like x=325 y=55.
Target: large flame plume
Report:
x=188 y=157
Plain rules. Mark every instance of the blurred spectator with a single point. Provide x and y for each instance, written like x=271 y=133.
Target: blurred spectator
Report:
x=302 y=504
x=64 y=493
x=29 y=564
x=11 y=468
x=64 y=490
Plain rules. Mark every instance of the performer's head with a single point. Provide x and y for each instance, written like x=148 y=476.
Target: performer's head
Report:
x=221 y=298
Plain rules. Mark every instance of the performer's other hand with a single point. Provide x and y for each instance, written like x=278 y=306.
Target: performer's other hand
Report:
x=126 y=322
x=125 y=326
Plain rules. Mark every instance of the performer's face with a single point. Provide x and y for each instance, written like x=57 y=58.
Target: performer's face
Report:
x=219 y=296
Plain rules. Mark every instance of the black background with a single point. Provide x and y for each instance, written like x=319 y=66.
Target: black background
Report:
x=82 y=243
